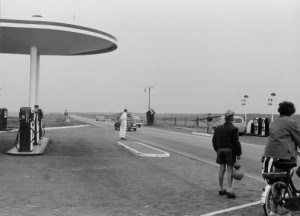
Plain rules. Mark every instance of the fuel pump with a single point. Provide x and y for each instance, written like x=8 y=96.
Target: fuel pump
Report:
x=36 y=120
x=39 y=130
x=40 y=123
x=3 y=119
x=26 y=132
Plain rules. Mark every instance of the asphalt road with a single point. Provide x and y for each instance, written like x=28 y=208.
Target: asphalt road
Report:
x=184 y=143
x=85 y=172
x=194 y=146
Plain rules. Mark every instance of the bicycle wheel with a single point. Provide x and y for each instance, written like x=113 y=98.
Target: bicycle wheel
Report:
x=275 y=199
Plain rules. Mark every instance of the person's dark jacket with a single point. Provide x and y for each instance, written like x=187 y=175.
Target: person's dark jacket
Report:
x=227 y=136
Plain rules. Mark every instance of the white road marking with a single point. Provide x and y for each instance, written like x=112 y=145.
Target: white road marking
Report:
x=202 y=134
x=163 y=154
x=76 y=126
x=48 y=128
x=232 y=209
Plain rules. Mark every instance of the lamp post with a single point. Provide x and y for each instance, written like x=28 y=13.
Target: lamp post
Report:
x=270 y=103
x=1 y=89
x=244 y=100
x=149 y=90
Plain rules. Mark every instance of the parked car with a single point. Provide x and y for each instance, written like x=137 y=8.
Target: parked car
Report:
x=239 y=122
x=138 y=120
x=100 y=117
x=131 y=125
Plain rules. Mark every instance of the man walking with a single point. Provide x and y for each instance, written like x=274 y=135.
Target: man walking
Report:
x=123 y=124
x=226 y=144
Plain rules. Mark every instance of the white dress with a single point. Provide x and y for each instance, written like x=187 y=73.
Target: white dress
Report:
x=123 y=125
x=248 y=130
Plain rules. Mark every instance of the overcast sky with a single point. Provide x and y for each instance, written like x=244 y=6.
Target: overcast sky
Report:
x=199 y=55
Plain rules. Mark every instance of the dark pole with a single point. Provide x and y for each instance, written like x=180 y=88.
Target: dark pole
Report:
x=149 y=99
x=149 y=89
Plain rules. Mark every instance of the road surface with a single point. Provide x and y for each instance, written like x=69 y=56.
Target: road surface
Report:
x=193 y=146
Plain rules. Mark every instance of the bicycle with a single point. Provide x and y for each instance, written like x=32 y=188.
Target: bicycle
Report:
x=280 y=193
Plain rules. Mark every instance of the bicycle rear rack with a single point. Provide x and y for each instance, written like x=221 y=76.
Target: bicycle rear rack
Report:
x=275 y=175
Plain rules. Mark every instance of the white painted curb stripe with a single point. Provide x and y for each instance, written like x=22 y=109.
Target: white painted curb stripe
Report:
x=76 y=126
x=232 y=209
x=48 y=128
x=164 y=154
x=130 y=149
x=202 y=134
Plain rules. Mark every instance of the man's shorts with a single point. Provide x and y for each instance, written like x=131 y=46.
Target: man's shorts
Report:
x=225 y=156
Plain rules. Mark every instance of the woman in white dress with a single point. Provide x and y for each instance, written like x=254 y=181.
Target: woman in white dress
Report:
x=123 y=125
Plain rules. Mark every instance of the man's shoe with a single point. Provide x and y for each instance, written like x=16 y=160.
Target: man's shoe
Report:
x=231 y=195
x=123 y=138
x=222 y=192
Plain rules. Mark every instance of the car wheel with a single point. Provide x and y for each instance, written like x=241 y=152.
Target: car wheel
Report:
x=134 y=129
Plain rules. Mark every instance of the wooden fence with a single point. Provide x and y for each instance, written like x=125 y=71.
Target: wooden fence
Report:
x=178 y=122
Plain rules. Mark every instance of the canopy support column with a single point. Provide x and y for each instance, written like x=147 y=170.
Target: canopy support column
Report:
x=37 y=81
x=34 y=64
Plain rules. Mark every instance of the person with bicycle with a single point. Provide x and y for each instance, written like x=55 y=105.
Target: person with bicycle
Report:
x=282 y=143
x=226 y=144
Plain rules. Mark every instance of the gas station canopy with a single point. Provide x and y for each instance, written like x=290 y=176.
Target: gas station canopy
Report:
x=37 y=37
x=52 y=38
